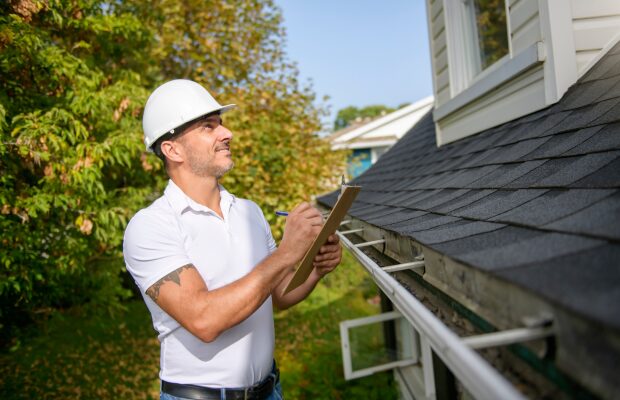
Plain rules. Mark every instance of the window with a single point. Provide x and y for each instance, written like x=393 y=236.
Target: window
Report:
x=490 y=29
x=359 y=161
x=478 y=38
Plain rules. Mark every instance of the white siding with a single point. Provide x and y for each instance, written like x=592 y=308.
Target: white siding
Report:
x=439 y=54
x=524 y=24
x=595 y=24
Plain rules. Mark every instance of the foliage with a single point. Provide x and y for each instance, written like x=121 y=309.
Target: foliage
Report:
x=69 y=94
x=117 y=357
x=74 y=76
x=351 y=114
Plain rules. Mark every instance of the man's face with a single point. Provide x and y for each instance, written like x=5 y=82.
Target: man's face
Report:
x=207 y=147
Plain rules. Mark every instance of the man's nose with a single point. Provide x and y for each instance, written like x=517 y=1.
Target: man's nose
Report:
x=224 y=133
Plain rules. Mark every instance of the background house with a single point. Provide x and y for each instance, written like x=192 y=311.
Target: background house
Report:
x=491 y=227
x=369 y=140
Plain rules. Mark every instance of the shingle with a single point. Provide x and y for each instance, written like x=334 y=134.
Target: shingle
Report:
x=586 y=93
x=613 y=115
x=358 y=208
x=543 y=127
x=606 y=177
x=562 y=143
x=606 y=138
x=462 y=178
x=430 y=181
x=329 y=200
x=403 y=214
x=552 y=205
x=467 y=198
x=613 y=92
x=488 y=240
x=397 y=198
x=537 y=249
x=505 y=174
x=607 y=66
x=368 y=196
x=517 y=133
x=497 y=203
x=425 y=222
x=477 y=159
x=457 y=231
x=377 y=212
x=586 y=282
x=583 y=117
x=548 y=168
x=578 y=168
x=600 y=219
x=443 y=196
x=420 y=195
x=514 y=152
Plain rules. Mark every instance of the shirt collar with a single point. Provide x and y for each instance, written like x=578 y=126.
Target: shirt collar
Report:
x=180 y=202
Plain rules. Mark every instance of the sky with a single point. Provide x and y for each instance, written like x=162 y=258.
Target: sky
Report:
x=359 y=52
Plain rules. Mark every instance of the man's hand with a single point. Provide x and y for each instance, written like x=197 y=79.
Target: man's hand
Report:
x=303 y=225
x=329 y=256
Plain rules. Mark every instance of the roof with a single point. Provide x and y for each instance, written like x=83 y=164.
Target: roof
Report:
x=535 y=201
x=384 y=130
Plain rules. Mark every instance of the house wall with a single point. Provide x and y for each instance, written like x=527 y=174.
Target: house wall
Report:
x=439 y=54
x=595 y=23
x=543 y=61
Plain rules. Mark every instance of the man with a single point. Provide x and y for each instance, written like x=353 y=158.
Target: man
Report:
x=205 y=260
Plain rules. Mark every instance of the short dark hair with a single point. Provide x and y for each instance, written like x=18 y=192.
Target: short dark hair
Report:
x=178 y=132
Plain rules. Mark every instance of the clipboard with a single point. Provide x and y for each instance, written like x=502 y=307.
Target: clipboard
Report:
x=347 y=196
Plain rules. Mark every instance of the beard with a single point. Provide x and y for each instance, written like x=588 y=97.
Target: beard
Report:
x=207 y=167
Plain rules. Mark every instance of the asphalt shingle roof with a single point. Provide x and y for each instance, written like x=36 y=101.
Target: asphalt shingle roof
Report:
x=535 y=201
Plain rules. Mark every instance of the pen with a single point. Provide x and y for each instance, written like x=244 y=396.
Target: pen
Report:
x=282 y=213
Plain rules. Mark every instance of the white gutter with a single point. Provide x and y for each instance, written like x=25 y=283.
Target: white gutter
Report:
x=478 y=377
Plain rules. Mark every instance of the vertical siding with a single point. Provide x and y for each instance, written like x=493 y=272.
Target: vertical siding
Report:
x=439 y=52
x=595 y=24
x=524 y=24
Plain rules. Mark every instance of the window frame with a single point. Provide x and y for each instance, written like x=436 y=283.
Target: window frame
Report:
x=347 y=361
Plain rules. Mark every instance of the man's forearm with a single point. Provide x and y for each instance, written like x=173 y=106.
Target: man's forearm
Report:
x=207 y=313
x=298 y=294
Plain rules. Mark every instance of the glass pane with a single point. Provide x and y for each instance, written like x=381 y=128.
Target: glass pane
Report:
x=490 y=21
x=371 y=344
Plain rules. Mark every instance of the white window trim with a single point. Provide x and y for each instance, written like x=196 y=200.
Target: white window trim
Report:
x=346 y=348
x=556 y=18
x=502 y=71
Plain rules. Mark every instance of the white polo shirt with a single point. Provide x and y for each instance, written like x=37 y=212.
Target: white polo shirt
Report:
x=175 y=231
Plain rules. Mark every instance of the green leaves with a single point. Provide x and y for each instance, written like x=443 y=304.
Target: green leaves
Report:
x=74 y=77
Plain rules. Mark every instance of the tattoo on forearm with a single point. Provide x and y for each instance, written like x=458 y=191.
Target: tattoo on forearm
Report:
x=174 y=276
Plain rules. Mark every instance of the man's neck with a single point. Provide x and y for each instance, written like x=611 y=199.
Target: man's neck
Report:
x=204 y=191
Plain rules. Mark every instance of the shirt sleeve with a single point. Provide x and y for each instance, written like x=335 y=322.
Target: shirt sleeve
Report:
x=271 y=243
x=152 y=248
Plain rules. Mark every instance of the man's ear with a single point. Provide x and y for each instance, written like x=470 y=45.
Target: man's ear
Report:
x=172 y=150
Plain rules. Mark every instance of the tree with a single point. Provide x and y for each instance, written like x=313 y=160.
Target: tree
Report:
x=74 y=76
x=348 y=115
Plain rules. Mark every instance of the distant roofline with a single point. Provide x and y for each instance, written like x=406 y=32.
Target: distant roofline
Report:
x=348 y=134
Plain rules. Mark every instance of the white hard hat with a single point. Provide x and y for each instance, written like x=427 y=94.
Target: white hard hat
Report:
x=173 y=104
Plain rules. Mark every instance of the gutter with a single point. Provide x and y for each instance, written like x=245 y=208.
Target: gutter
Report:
x=476 y=375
